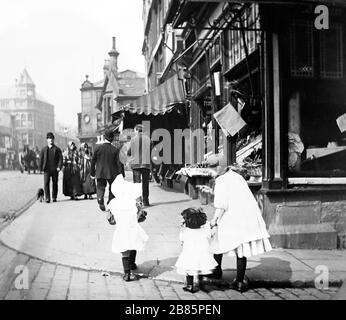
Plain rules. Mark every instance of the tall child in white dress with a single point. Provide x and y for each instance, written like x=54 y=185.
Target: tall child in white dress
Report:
x=128 y=235
x=195 y=258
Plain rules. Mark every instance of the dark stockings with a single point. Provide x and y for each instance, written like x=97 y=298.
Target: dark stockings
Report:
x=133 y=254
x=241 y=268
x=218 y=259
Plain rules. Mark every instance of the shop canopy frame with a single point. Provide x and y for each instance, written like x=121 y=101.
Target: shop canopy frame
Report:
x=160 y=100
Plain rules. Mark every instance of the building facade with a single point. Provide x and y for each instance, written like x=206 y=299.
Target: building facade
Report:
x=33 y=115
x=119 y=88
x=90 y=118
x=285 y=79
x=7 y=151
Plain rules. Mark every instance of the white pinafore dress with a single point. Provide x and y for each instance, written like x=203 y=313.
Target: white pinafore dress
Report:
x=241 y=230
x=195 y=257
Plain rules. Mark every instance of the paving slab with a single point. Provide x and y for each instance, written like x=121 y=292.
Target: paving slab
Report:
x=77 y=234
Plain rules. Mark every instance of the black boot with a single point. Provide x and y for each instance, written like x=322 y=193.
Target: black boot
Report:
x=189 y=284
x=217 y=272
x=128 y=276
x=201 y=283
x=240 y=283
x=133 y=254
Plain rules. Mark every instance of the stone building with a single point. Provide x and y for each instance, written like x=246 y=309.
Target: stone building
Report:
x=33 y=114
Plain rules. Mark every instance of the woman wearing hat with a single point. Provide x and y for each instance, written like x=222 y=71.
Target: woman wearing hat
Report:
x=88 y=184
x=240 y=228
x=72 y=186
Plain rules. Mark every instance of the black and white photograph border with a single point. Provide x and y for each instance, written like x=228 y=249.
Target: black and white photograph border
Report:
x=189 y=152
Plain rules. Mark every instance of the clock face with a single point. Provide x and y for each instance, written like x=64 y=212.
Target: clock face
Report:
x=86 y=119
x=29 y=93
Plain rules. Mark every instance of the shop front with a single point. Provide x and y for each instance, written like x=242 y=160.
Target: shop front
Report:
x=285 y=79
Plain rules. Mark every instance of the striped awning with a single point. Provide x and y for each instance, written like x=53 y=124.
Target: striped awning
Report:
x=161 y=100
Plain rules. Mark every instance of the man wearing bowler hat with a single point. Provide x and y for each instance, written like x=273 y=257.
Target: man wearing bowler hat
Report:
x=50 y=164
x=105 y=166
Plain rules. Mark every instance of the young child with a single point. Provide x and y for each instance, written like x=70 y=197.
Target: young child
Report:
x=195 y=258
x=128 y=235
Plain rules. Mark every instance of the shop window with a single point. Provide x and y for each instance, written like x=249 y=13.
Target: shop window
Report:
x=331 y=52
x=316 y=152
x=301 y=44
x=234 y=44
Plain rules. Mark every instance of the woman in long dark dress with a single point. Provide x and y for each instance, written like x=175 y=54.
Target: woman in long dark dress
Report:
x=72 y=186
x=88 y=184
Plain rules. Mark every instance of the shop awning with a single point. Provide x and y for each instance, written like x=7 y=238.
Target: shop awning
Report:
x=161 y=100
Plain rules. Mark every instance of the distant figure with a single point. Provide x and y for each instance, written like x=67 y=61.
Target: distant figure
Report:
x=139 y=151
x=88 y=184
x=72 y=186
x=105 y=166
x=29 y=159
x=50 y=164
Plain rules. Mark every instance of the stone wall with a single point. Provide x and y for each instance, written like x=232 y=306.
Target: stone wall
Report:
x=308 y=219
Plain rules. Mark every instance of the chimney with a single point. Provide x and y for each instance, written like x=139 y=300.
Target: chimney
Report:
x=114 y=56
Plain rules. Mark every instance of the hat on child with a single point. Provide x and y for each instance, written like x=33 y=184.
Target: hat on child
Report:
x=123 y=189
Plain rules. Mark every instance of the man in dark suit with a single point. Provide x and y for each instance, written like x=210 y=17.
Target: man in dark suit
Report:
x=50 y=164
x=105 y=166
x=140 y=150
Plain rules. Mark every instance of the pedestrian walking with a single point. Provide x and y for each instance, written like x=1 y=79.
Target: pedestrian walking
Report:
x=72 y=185
x=139 y=151
x=195 y=258
x=240 y=228
x=105 y=166
x=88 y=184
x=50 y=164
x=128 y=237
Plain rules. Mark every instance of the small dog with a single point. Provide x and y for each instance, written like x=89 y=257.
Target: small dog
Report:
x=40 y=194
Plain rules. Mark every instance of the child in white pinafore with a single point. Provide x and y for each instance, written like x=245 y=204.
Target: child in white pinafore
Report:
x=129 y=237
x=195 y=258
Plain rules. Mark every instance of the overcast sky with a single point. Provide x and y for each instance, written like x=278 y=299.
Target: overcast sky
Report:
x=59 y=42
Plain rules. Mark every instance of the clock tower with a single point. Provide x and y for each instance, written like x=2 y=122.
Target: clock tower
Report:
x=25 y=86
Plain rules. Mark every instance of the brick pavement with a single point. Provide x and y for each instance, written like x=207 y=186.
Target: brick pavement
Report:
x=65 y=261
x=48 y=281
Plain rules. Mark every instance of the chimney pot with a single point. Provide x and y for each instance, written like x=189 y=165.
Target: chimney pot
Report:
x=114 y=43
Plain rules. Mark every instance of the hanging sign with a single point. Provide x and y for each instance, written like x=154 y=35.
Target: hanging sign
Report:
x=341 y=121
x=229 y=120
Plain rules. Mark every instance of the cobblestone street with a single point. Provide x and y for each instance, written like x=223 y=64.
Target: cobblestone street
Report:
x=56 y=282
